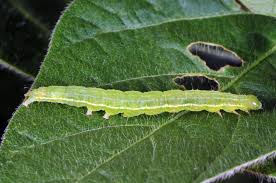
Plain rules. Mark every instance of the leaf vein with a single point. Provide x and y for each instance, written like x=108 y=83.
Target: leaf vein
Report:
x=82 y=132
x=261 y=59
x=132 y=145
x=161 y=75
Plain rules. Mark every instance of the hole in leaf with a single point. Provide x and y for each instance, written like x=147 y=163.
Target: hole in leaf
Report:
x=197 y=83
x=215 y=56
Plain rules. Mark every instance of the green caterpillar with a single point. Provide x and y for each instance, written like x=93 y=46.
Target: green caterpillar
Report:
x=134 y=103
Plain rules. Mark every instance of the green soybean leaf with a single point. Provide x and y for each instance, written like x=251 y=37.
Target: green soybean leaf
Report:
x=142 y=46
x=267 y=7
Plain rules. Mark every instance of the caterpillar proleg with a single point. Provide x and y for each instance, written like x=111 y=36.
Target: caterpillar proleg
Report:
x=134 y=103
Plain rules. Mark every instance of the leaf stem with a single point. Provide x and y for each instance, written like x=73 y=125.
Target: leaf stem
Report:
x=31 y=18
x=16 y=70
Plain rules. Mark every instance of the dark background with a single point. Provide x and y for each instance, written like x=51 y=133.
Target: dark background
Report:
x=23 y=44
x=25 y=28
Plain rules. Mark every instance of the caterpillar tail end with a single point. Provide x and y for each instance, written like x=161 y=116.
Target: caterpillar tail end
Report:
x=89 y=113
x=106 y=116
x=27 y=102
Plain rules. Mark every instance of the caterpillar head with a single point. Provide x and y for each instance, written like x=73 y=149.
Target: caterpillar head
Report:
x=253 y=103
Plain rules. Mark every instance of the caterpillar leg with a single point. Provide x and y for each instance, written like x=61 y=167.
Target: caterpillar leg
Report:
x=106 y=116
x=89 y=112
x=247 y=112
x=28 y=102
x=231 y=111
x=110 y=112
x=219 y=113
x=235 y=112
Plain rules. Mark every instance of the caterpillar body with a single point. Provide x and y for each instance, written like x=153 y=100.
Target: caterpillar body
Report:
x=134 y=103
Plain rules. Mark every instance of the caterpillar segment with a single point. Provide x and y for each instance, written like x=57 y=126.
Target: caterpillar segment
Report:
x=134 y=103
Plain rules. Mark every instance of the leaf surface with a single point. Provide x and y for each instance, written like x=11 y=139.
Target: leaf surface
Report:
x=141 y=46
x=267 y=7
